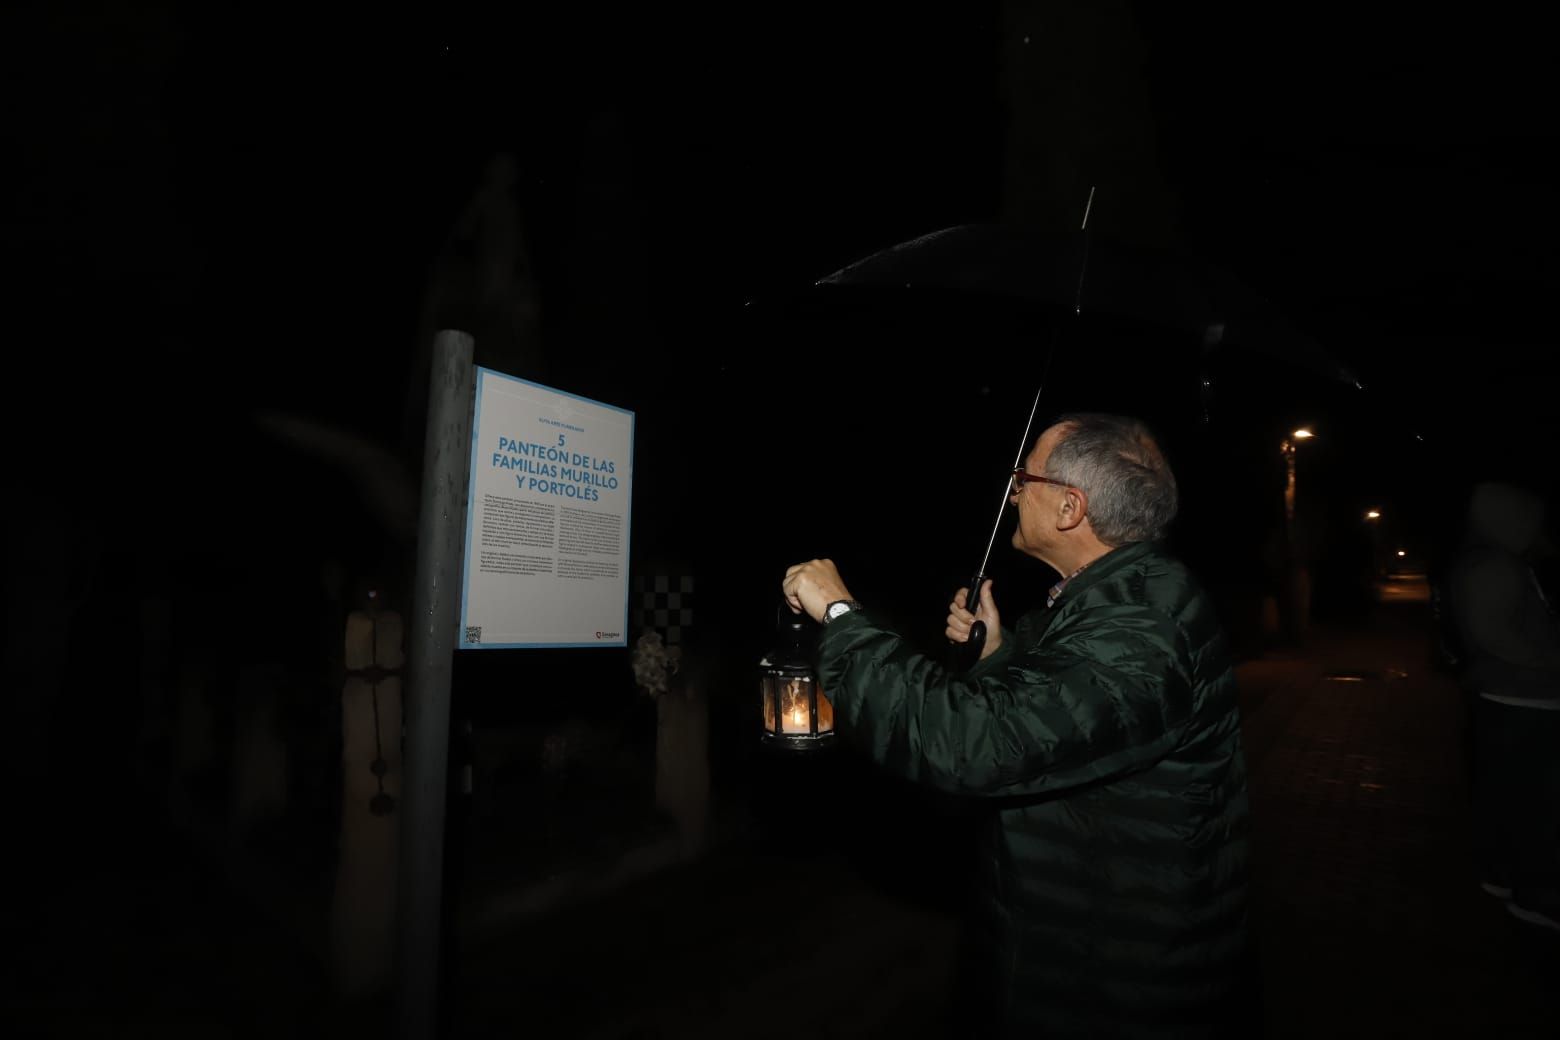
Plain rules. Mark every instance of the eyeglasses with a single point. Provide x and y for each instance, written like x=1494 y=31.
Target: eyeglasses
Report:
x=1020 y=478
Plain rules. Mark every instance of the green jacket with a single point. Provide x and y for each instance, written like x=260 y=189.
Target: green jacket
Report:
x=1105 y=738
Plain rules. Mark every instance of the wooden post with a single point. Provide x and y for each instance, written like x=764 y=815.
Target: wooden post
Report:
x=432 y=630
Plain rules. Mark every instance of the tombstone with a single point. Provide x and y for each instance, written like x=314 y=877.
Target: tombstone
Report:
x=682 y=764
x=664 y=607
x=363 y=907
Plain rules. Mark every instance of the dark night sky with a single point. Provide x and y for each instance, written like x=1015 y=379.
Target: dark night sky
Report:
x=253 y=197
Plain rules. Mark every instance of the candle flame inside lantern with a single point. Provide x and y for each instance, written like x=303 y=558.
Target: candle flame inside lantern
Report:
x=789 y=703
x=796 y=709
x=795 y=706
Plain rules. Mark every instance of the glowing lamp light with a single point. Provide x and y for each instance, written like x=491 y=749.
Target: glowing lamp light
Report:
x=797 y=714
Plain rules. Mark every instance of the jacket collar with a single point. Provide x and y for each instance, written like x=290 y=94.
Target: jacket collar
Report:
x=1102 y=568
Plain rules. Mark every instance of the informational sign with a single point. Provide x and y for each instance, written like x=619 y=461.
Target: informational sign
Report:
x=547 y=519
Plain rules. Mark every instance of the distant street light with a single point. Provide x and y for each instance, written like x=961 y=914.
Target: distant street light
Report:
x=1378 y=566
x=1289 y=447
x=1299 y=573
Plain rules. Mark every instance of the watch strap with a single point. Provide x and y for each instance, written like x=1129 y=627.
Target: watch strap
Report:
x=830 y=612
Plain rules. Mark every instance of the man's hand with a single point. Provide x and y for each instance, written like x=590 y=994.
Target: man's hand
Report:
x=959 y=619
x=812 y=586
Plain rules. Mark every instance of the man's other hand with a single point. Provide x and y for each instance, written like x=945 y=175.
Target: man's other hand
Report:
x=960 y=620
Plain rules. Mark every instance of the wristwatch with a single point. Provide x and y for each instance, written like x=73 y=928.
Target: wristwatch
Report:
x=838 y=608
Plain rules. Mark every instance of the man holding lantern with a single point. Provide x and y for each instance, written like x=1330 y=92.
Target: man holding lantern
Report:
x=1102 y=735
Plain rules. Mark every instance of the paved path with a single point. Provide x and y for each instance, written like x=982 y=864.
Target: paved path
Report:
x=1368 y=919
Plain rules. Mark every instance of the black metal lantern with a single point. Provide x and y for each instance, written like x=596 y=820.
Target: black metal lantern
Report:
x=797 y=713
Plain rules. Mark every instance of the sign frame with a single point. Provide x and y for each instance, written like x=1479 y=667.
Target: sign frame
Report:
x=491 y=382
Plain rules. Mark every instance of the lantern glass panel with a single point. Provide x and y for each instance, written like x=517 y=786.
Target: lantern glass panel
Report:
x=796 y=705
x=768 y=684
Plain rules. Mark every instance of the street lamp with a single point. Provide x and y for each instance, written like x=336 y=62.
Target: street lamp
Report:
x=1377 y=565
x=1299 y=574
x=1288 y=447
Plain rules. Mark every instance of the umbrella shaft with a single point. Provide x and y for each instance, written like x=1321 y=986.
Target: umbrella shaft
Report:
x=1007 y=491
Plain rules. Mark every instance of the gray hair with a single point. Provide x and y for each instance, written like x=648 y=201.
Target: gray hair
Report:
x=1116 y=461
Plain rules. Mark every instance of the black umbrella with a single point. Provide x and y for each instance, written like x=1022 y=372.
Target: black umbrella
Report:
x=1199 y=304
x=1193 y=307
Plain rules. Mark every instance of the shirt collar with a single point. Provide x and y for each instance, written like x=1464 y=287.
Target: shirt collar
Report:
x=1056 y=590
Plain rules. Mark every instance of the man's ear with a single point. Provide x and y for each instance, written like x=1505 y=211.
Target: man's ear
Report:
x=1074 y=507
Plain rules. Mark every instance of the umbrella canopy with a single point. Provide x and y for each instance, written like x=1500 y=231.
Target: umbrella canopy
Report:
x=1198 y=303
x=899 y=387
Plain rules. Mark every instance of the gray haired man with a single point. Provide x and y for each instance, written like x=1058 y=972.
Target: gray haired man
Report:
x=1101 y=739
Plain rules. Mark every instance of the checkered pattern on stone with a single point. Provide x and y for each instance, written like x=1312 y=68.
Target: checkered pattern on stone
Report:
x=663 y=602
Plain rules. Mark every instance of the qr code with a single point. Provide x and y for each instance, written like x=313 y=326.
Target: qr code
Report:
x=473 y=634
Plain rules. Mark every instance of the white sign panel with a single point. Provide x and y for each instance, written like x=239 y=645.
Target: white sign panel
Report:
x=546 y=560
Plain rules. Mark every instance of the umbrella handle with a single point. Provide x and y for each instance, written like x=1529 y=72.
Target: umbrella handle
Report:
x=965 y=655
